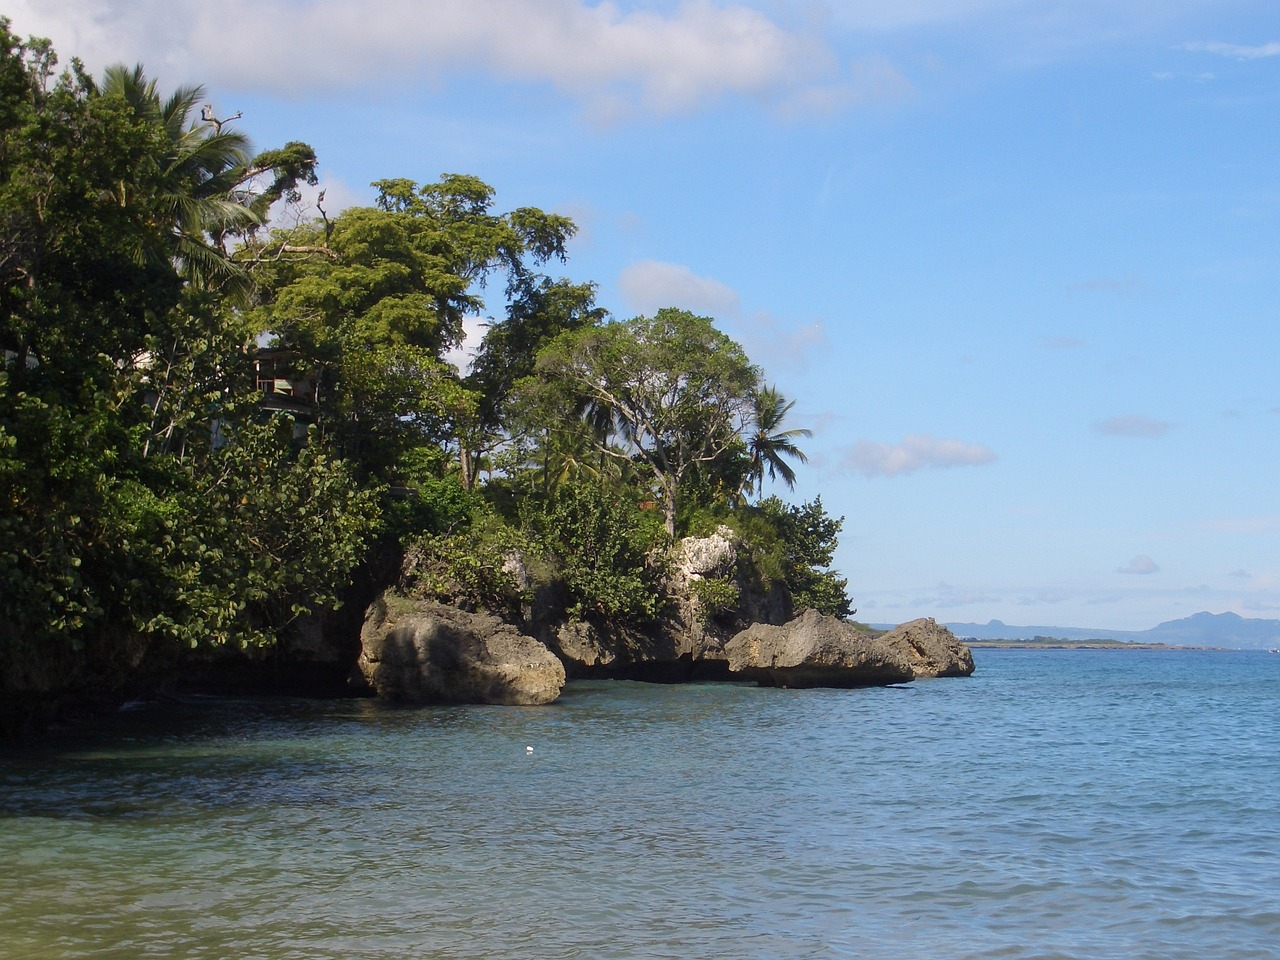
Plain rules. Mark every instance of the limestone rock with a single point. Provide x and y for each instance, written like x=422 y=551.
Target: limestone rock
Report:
x=932 y=650
x=423 y=652
x=814 y=650
x=616 y=651
x=712 y=556
x=581 y=643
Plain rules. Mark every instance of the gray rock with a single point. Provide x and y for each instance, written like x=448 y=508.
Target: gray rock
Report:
x=713 y=556
x=814 y=650
x=581 y=643
x=931 y=649
x=422 y=652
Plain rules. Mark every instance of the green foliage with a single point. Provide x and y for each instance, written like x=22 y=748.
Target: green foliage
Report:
x=474 y=567
x=121 y=350
x=372 y=300
x=432 y=506
x=768 y=445
x=599 y=541
x=146 y=499
x=715 y=596
x=540 y=310
x=269 y=535
x=676 y=390
x=795 y=545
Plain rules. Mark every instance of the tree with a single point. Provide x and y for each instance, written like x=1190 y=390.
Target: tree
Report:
x=114 y=349
x=269 y=533
x=799 y=550
x=209 y=189
x=207 y=178
x=676 y=389
x=539 y=311
x=80 y=195
x=598 y=542
x=371 y=301
x=768 y=445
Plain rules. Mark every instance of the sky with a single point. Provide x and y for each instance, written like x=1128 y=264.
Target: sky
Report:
x=1017 y=261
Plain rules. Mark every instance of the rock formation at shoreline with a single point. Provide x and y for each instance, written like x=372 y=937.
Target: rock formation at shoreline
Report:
x=814 y=651
x=421 y=652
x=427 y=652
x=930 y=648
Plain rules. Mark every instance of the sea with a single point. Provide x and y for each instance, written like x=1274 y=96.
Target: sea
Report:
x=1057 y=805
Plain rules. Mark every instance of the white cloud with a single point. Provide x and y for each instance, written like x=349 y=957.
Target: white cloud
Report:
x=871 y=80
x=473 y=331
x=1134 y=425
x=330 y=194
x=1235 y=50
x=611 y=58
x=1140 y=566
x=915 y=452
x=649 y=285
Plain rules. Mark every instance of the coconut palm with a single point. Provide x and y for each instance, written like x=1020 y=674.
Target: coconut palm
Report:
x=768 y=445
x=202 y=199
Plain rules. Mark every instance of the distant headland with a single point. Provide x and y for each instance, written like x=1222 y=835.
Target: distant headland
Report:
x=1202 y=630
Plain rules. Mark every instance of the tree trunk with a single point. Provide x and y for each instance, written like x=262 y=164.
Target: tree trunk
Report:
x=467 y=466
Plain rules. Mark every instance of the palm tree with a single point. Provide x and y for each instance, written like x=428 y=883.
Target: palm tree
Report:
x=768 y=445
x=202 y=200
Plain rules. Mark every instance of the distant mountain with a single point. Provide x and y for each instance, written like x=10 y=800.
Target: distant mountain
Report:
x=1198 y=630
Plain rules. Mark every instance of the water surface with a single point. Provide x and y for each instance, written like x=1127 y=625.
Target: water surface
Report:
x=1058 y=804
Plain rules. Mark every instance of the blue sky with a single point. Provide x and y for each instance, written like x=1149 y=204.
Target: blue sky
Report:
x=1017 y=260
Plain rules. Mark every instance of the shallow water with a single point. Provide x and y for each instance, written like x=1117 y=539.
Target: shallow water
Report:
x=1058 y=804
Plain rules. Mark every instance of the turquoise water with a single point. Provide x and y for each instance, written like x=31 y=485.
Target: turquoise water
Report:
x=1058 y=804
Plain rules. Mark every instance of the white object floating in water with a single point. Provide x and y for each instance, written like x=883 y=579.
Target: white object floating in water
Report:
x=528 y=749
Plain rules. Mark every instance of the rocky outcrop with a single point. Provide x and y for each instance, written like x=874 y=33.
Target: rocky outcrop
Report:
x=667 y=653
x=931 y=649
x=422 y=652
x=713 y=556
x=814 y=650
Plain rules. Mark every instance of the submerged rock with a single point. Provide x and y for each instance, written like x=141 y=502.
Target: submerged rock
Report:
x=931 y=649
x=422 y=652
x=814 y=650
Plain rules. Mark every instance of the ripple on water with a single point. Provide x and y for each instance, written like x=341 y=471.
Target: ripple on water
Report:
x=1056 y=805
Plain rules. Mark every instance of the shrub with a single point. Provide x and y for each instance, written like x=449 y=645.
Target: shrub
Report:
x=470 y=568
x=599 y=542
x=715 y=596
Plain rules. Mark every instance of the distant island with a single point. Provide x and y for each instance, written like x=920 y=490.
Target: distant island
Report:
x=1063 y=643
x=1222 y=631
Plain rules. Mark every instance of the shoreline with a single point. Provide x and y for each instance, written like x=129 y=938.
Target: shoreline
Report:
x=1084 y=645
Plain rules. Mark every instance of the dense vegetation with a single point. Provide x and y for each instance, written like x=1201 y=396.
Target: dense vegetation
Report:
x=207 y=424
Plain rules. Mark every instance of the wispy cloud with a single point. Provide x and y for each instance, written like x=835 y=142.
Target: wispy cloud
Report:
x=1133 y=425
x=649 y=285
x=1236 y=51
x=611 y=58
x=914 y=452
x=1141 y=565
x=1264 y=526
x=1063 y=343
x=1126 y=286
x=473 y=331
